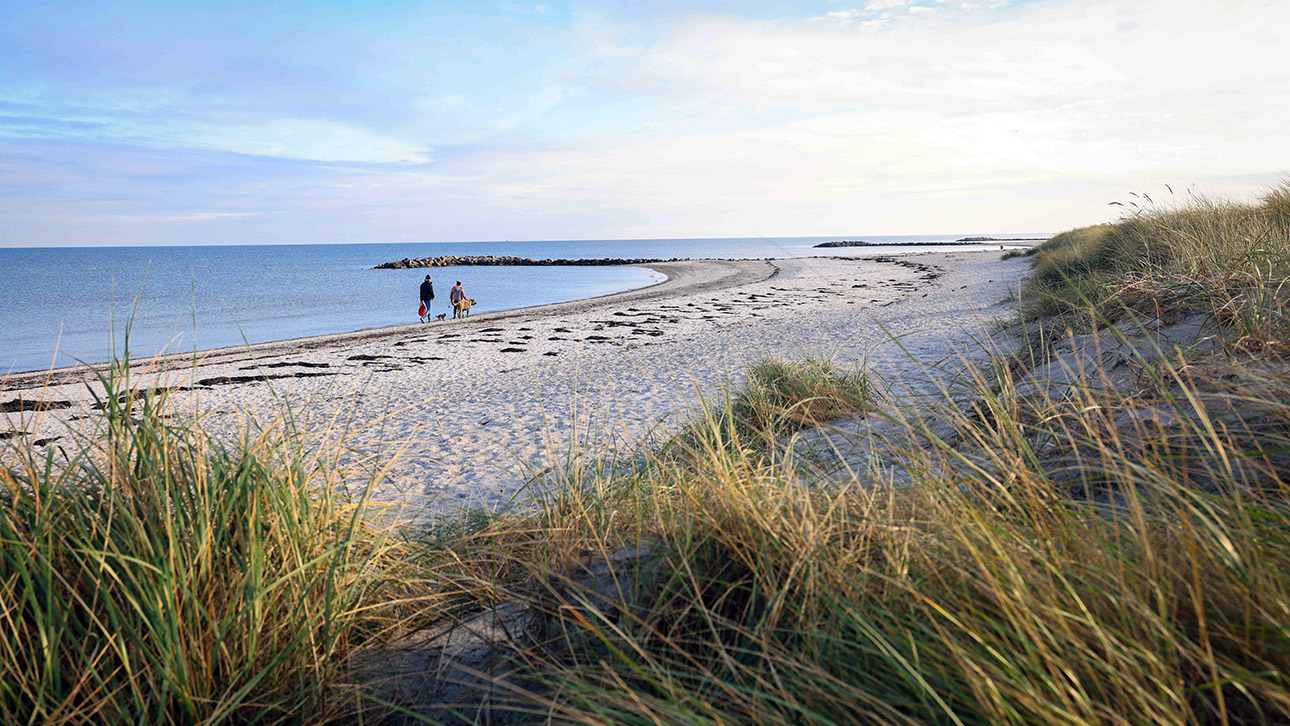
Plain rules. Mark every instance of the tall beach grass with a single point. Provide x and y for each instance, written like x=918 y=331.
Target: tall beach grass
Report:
x=1044 y=565
x=1226 y=259
x=1083 y=554
x=153 y=573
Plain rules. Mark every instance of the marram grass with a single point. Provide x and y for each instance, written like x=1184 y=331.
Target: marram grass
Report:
x=1224 y=259
x=1083 y=555
x=987 y=591
x=777 y=398
x=160 y=575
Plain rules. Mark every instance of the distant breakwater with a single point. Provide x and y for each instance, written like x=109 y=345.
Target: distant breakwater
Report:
x=408 y=263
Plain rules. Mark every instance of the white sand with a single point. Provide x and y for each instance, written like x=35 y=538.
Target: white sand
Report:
x=480 y=406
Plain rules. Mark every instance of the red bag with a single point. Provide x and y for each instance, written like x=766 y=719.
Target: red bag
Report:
x=421 y=311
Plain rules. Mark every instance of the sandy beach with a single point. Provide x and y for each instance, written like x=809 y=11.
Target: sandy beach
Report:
x=478 y=407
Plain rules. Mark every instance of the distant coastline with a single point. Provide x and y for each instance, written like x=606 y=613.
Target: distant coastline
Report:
x=862 y=243
x=408 y=263
x=260 y=293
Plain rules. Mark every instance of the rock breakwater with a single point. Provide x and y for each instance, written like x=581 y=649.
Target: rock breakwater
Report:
x=408 y=263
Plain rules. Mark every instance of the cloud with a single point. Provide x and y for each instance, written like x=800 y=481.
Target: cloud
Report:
x=309 y=139
x=854 y=121
x=880 y=5
x=878 y=14
x=162 y=218
x=878 y=119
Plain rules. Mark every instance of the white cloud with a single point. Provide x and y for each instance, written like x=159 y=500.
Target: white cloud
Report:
x=1030 y=117
x=879 y=5
x=879 y=122
x=163 y=218
x=310 y=139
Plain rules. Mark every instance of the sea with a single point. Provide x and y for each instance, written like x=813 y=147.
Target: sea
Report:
x=64 y=306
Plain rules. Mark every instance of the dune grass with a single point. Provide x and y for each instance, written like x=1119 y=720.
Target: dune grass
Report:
x=1082 y=555
x=157 y=574
x=1046 y=565
x=1225 y=259
x=776 y=398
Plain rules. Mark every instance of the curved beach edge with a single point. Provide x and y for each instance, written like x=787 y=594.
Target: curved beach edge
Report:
x=682 y=278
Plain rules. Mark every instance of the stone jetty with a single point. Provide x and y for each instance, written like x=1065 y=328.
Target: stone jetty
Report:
x=408 y=263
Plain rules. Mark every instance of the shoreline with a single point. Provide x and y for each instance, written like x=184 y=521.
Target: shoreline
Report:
x=483 y=407
x=681 y=277
x=62 y=374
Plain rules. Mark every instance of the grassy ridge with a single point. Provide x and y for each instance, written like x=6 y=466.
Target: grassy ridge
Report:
x=1007 y=585
x=1225 y=259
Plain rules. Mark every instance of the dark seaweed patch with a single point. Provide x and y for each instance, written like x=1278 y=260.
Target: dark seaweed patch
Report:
x=232 y=380
x=22 y=404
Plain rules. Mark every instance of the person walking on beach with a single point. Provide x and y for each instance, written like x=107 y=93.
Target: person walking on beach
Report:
x=455 y=296
x=427 y=296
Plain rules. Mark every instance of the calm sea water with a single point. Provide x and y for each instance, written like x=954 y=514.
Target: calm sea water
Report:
x=68 y=305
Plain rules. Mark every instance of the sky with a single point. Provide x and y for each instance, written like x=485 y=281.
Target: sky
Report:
x=137 y=123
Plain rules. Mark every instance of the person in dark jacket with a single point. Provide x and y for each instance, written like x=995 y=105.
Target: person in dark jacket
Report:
x=427 y=296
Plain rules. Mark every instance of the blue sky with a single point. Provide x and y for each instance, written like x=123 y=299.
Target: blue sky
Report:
x=230 y=123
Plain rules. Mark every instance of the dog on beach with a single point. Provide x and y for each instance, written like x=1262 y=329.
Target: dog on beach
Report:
x=441 y=316
x=461 y=308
